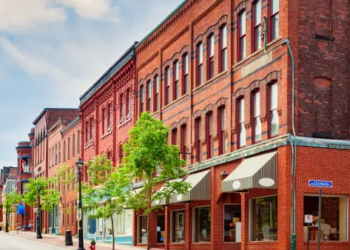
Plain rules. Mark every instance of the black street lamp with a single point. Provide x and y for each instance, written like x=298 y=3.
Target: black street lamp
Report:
x=79 y=165
x=38 y=226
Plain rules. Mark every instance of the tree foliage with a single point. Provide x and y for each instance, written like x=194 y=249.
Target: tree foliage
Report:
x=11 y=199
x=149 y=157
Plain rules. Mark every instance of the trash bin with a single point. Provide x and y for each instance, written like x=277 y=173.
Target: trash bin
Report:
x=69 y=238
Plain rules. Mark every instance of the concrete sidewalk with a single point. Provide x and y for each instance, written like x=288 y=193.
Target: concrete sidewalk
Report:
x=58 y=240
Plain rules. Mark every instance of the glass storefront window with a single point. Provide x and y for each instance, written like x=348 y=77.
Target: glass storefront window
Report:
x=232 y=223
x=142 y=229
x=160 y=228
x=202 y=219
x=178 y=226
x=333 y=221
x=263 y=219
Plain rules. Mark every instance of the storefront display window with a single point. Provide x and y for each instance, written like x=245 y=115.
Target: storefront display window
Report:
x=178 y=226
x=263 y=219
x=160 y=228
x=202 y=220
x=232 y=223
x=333 y=221
x=142 y=229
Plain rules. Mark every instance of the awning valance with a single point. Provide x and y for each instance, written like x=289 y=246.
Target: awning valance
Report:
x=255 y=172
x=200 y=188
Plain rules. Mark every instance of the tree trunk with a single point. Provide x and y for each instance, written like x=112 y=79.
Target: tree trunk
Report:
x=65 y=210
x=149 y=217
x=113 y=246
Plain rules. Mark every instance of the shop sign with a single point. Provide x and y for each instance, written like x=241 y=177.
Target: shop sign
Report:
x=308 y=219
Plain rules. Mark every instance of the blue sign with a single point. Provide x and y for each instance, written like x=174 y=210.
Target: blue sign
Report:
x=20 y=209
x=318 y=183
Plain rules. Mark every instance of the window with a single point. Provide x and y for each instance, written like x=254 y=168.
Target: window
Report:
x=128 y=103
x=223 y=48
x=142 y=229
x=241 y=128
x=148 y=103
x=201 y=230
x=160 y=228
x=173 y=136
x=103 y=121
x=199 y=64
x=222 y=130
x=263 y=219
x=274 y=119
x=198 y=140
x=78 y=150
x=64 y=151
x=67 y=212
x=141 y=99
x=210 y=46
x=241 y=38
x=121 y=106
x=59 y=152
x=209 y=135
x=334 y=217
x=121 y=153
x=86 y=133
x=69 y=148
x=72 y=213
x=73 y=146
x=176 y=80
x=232 y=223
x=184 y=73
x=256 y=25
x=109 y=117
x=177 y=226
x=274 y=19
x=256 y=117
x=167 y=86
x=183 y=142
x=91 y=120
x=155 y=93
x=56 y=154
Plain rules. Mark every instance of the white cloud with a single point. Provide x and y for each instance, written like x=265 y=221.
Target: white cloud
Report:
x=92 y=9
x=17 y=15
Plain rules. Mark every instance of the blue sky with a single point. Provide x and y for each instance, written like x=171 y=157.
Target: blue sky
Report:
x=51 y=51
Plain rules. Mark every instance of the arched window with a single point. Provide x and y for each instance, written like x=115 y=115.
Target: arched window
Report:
x=222 y=130
x=167 y=86
x=103 y=121
x=256 y=116
x=148 y=101
x=174 y=136
x=274 y=7
x=183 y=142
x=141 y=99
x=184 y=73
x=128 y=103
x=223 y=48
x=78 y=139
x=197 y=139
x=273 y=113
x=155 y=93
x=210 y=53
x=241 y=135
x=175 y=80
x=73 y=146
x=64 y=151
x=109 y=117
x=91 y=121
x=59 y=152
x=241 y=36
x=256 y=25
x=199 y=80
x=209 y=134
x=86 y=133
x=121 y=107
x=69 y=148
x=121 y=153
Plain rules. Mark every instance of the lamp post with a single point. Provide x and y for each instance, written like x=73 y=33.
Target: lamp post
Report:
x=38 y=226
x=79 y=165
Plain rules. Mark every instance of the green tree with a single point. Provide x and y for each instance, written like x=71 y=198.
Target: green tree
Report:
x=49 y=196
x=108 y=187
x=11 y=199
x=149 y=157
x=65 y=180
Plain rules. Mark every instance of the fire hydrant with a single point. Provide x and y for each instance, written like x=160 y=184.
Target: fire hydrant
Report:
x=93 y=245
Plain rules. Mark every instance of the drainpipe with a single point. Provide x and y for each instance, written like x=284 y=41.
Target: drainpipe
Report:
x=294 y=150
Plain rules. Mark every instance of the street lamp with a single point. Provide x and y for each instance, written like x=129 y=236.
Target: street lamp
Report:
x=79 y=165
x=38 y=226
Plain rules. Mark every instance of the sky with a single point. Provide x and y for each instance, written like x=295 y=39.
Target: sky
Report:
x=52 y=51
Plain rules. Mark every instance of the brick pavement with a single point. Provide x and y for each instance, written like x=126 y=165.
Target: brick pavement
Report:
x=58 y=240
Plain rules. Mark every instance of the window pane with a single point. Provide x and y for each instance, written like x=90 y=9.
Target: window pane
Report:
x=176 y=70
x=185 y=84
x=275 y=27
x=202 y=224
x=257 y=104
x=275 y=6
x=243 y=23
x=257 y=12
x=273 y=96
x=200 y=53
x=211 y=69
x=211 y=45
x=257 y=38
x=242 y=138
x=186 y=64
x=178 y=226
x=160 y=228
x=157 y=84
x=167 y=77
x=149 y=89
x=141 y=93
x=224 y=142
x=232 y=223
x=274 y=122
x=211 y=124
x=243 y=48
x=263 y=219
x=257 y=127
x=200 y=72
x=224 y=37
x=142 y=229
x=223 y=118
x=224 y=59
x=241 y=110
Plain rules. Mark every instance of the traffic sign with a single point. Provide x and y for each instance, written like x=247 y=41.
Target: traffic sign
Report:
x=308 y=219
x=320 y=184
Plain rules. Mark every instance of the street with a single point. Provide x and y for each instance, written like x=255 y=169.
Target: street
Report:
x=11 y=242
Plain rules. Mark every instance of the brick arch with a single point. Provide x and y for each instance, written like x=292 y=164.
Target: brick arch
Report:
x=166 y=64
x=221 y=102
x=210 y=30
x=271 y=77
x=183 y=121
x=141 y=81
x=222 y=20
x=148 y=78
x=239 y=92
x=185 y=50
x=240 y=7
x=198 y=39
x=209 y=108
x=197 y=114
x=175 y=57
x=174 y=125
x=155 y=72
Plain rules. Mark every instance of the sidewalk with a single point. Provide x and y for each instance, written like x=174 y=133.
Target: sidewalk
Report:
x=58 y=240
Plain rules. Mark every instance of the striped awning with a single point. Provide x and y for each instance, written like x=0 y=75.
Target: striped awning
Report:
x=163 y=201
x=200 y=188
x=255 y=172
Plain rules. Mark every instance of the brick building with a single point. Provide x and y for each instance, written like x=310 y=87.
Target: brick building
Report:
x=253 y=118
x=107 y=114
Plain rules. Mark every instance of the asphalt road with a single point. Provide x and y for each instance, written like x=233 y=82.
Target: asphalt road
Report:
x=8 y=242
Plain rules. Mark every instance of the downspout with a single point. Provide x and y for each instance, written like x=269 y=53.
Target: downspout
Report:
x=294 y=152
